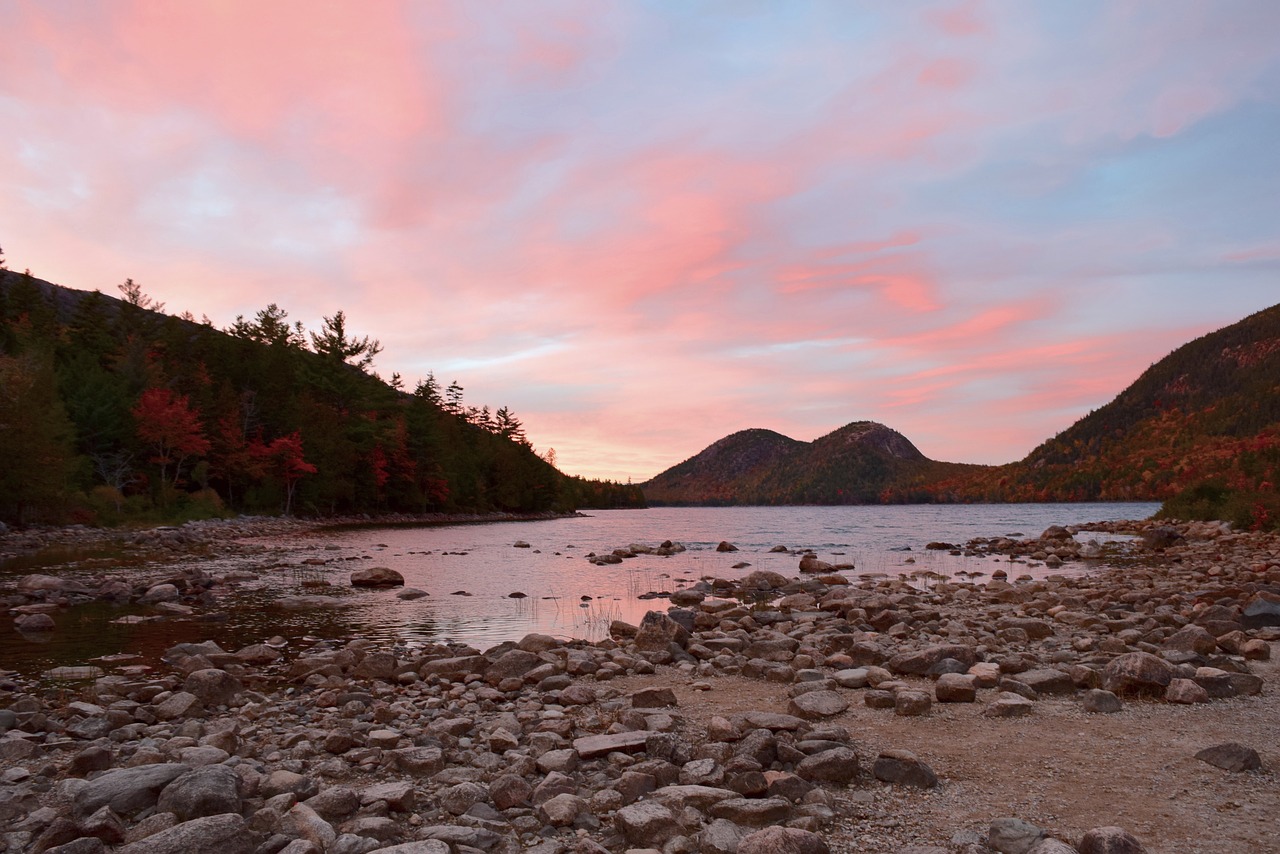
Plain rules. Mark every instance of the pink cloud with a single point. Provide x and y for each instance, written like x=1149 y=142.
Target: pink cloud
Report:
x=949 y=74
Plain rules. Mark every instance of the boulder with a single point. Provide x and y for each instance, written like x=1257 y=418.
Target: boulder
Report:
x=212 y=790
x=1098 y=701
x=213 y=687
x=1110 y=840
x=763 y=579
x=126 y=790
x=646 y=824
x=816 y=705
x=1161 y=537
x=955 y=688
x=1185 y=692
x=658 y=631
x=225 y=834
x=903 y=768
x=34 y=623
x=1047 y=681
x=919 y=662
x=782 y=840
x=810 y=564
x=1008 y=705
x=1138 y=673
x=653 y=698
x=1192 y=638
x=837 y=765
x=1012 y=835
x=376 y=576
x=1262 y=610
x=1231 y=757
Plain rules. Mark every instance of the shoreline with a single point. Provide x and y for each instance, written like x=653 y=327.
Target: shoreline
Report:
x=826 y=711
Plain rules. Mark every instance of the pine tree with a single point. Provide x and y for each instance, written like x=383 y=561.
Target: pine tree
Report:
x=35 y=438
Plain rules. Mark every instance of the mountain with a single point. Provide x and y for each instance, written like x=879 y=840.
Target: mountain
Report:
x=860 y=463
x=1199 y=430
x=114 y=412
x=1205 y=420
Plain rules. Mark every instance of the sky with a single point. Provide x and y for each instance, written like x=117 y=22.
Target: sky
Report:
x=644 y=226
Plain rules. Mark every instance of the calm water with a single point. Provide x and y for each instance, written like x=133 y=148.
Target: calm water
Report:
x=565 y=595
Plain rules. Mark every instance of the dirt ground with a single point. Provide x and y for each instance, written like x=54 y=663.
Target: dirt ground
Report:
x=1061 y=768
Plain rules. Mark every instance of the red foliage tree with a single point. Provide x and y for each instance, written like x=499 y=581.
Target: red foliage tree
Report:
x=285 y=460
x=171 y=428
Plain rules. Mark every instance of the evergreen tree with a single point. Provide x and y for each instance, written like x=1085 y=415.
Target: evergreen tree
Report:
x=35 y=439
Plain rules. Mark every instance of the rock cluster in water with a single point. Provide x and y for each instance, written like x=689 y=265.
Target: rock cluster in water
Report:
x=350 y=748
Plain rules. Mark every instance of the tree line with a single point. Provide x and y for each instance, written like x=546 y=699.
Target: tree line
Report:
x=112 y=410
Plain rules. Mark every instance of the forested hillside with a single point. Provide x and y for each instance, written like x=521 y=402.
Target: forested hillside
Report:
x=1200 y=428
x=113 y=410
x=860 y=463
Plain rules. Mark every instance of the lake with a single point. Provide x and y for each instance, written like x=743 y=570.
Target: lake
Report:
x=469 y=572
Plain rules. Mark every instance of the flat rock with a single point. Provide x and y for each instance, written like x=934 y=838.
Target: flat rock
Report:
x=773 y=721
x=1047 y=680
x=126 y=790
x=1008 y=705
x=225 y=834
x=1231 y=757
x=591 y=746
x=783 y=840
x=754 y=812
x=816 y=705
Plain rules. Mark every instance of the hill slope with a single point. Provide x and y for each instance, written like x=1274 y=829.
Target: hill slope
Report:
x=861 y=463
x=115 y=411
x=1206 y=414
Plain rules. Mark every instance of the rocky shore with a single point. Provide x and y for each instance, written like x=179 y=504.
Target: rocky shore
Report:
x=1127 y=710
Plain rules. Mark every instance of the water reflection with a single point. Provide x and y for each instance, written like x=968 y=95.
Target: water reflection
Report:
x=564 y=594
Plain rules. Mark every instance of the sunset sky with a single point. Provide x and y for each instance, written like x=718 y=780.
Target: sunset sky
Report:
x=646 y=225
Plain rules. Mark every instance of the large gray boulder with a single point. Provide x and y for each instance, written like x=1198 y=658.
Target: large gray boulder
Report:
x=224 y=834
x=126 y=790
x=203 y=792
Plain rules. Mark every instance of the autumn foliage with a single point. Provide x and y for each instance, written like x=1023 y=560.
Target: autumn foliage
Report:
x=119 y=410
